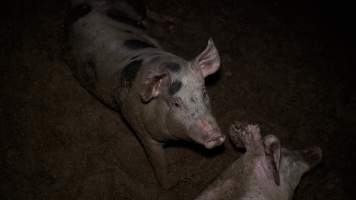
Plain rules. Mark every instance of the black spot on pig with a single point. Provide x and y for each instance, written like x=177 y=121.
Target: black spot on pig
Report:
x=129 y=73
x=121 y=17
x=175 y=87
x=174 y=67
x=77 y=12
x=137 y=44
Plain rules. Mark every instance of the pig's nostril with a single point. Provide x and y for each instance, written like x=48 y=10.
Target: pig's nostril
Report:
x=222 y=139
x=216 y=141
x=216 y=137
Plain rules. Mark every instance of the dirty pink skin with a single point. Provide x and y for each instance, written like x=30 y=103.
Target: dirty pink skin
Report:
x=162 y=96
x=265 y=172
x=158 y=117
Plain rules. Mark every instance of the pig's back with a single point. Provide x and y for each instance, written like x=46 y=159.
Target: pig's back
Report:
x=99 y=45
x=98 y=37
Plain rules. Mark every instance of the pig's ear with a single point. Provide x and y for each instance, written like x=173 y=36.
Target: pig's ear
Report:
x=208 y=62
x=273 y=155
x=152 y=86
x=312 y=156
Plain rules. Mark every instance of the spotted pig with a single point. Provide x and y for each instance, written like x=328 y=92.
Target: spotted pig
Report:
x=161 y=95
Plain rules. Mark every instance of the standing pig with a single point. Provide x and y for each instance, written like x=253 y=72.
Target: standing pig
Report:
x=161 y=95
x=265 y=172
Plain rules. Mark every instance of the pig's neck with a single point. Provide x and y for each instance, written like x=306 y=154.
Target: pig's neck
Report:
x=264 y=187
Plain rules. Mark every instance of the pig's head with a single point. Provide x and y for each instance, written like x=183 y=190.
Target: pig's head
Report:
x=294 y=164
x=289 y=166
x=277 y=170
x=176 y=89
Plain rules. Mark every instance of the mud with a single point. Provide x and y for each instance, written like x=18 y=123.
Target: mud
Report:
x=287 y=67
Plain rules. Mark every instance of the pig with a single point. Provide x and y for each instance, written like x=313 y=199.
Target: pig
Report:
x=161 y=96
x=265 y=172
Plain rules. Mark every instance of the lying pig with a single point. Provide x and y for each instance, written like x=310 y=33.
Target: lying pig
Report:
x=265 y=172
x=161 y=95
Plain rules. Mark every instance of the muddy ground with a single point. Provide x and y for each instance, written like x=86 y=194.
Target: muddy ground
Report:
x=288 y=67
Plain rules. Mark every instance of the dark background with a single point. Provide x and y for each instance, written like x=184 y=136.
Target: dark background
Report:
x=287 y=66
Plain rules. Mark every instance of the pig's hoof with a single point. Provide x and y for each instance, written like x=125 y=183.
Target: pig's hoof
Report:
x=243 y=134
x=237 y=128
x=235 y=133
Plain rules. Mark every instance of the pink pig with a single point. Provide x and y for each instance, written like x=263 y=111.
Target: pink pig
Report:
x=265 y=172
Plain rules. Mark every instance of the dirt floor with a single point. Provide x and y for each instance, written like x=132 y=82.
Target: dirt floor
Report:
x=288 y=67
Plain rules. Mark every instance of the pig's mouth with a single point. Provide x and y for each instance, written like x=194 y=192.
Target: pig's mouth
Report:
x=213 y=142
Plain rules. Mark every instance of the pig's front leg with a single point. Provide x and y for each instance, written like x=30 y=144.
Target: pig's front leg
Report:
x=247 y=136
x=157 y=157
x=266 y=150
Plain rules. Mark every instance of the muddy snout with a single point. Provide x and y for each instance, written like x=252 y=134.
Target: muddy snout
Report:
x=217 y=139
x=207 y=133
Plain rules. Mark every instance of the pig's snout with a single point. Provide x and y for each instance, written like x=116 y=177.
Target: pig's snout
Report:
x=217 y=141
x=207 y=133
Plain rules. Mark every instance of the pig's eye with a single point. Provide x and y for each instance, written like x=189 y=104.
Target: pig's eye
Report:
x=175 y=102
x=205 y=95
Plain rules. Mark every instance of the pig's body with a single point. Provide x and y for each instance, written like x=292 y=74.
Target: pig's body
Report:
x=264 y=172
x=97 y=49
x=162 y=96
